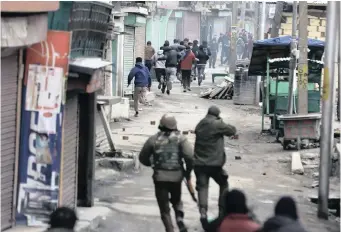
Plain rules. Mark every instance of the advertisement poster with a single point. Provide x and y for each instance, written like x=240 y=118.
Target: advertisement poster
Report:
x=41 y=128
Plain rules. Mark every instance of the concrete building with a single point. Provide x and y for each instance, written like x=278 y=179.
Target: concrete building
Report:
x=23 y=24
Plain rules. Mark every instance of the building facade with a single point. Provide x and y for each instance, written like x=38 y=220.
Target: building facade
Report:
x=32 y=25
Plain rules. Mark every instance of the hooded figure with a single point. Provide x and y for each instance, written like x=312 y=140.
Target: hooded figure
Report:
x=285 y=219
x=236 y=214
x=165 y=152
x=172 y=56
x=203 y=56
x=63 y=219
x=209 y=157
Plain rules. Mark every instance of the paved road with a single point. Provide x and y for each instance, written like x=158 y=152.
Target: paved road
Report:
x=259 y=172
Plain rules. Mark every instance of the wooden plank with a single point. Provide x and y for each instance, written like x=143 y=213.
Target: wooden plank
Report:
x=107 y=128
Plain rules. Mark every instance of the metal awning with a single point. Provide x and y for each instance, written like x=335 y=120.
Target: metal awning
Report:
x=87 y=65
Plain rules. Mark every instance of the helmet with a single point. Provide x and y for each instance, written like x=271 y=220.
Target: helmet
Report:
x=168 y=122
x=214 y=110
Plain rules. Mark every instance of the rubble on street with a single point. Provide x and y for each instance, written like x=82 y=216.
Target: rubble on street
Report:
x=224 y=90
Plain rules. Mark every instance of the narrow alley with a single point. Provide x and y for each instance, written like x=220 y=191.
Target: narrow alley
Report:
x=259 y=170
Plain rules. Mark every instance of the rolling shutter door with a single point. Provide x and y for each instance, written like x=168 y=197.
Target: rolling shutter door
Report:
x=140 y=41
x=128 y=57
x=9 y=88
x=70 y=155
x=171 y=30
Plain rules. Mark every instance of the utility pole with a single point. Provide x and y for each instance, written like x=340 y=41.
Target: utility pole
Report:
x=233 y=53
x=263 y=19
x=292 y=58
x=339 y=70
x=242 y=15
x=326 y=143
x=276 y=23
x=302 y=80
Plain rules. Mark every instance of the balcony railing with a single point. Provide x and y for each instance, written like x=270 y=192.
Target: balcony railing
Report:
x=89 y=23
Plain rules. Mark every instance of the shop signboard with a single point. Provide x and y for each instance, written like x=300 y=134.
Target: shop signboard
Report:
x=41 y=128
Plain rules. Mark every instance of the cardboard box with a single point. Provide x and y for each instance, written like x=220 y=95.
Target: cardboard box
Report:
x=312 y=28
x=321 y=29
x=286 y=26
x=314 y=22
x=313 y=34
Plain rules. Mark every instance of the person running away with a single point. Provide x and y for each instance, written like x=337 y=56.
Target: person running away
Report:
x=203 y=56
x=63 y=219
x=149 y=51
x=210 y=157
x=142 y=83
x=166 y=152
x=187 y=61
x=172 y=57
x=160 y=67
x=195 y=49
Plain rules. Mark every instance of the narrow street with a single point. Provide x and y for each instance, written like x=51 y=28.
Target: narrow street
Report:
x=258 y=172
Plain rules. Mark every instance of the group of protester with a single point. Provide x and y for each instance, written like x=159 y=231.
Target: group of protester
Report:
x=183 y=59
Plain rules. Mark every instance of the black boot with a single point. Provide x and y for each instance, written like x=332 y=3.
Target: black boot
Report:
x=203 y=219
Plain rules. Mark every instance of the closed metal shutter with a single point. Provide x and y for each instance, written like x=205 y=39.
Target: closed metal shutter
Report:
x=140 y=41
x=192 y=26
x=128 y=58
x=171 y=30
x=70 y=155
x=9 y=89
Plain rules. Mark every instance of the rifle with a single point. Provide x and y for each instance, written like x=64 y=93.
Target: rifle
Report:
x=190 y=188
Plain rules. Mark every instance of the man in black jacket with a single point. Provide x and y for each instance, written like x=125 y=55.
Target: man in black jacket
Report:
x=210 y=157
x=172 y=58
x=203 y=55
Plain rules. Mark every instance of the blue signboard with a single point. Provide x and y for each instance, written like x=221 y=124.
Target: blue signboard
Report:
x=39 y=161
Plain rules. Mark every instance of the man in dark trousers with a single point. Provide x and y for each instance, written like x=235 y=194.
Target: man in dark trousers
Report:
x=203 y=56
x=186 y=63
x=195 y=49
x=149 y=51
x=165 y=152
x=142 y=83
x=210 y=157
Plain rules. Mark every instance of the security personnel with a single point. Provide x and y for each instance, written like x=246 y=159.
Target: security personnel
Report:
x=210 y=157
x=165 y=153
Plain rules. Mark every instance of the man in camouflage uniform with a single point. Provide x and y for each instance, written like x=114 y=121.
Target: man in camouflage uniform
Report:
x=210 y=157
x=165 y=153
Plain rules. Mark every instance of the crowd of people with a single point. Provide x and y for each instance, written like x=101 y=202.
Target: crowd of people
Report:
x=184 y=60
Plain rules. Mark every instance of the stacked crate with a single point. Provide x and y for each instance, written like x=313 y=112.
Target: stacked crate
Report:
x=316 y=27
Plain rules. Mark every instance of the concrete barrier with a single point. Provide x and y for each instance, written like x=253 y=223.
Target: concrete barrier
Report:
x=296 y=163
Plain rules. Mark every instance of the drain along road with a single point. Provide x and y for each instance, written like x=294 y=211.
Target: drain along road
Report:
x=260 y=173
